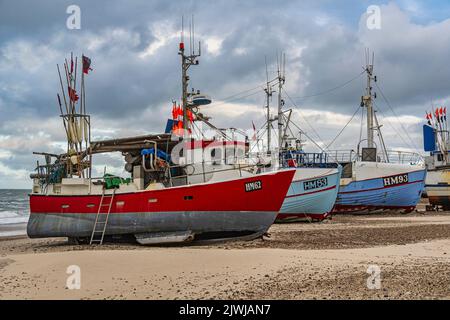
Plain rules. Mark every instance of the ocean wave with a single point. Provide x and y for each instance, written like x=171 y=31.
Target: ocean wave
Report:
x=13 y=220
x=10 y=217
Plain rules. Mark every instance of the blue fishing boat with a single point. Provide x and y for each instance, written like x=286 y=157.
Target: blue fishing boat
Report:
x=372 y=181
x=381 y=187
x=312 y=194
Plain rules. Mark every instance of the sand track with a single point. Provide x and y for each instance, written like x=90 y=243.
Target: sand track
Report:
x=300 y=261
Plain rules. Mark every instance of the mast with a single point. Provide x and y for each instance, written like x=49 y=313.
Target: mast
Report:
x=281 y=81
x=367 y=101
x=186 y=62
x=268 y=91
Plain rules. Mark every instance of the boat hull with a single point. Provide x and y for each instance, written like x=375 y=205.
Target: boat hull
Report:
x=312 y=194
x=220 y=207
x=81 y=225
x=373 y=195
x=438 y=188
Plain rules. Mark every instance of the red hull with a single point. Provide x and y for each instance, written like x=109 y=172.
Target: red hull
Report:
x=209 y=197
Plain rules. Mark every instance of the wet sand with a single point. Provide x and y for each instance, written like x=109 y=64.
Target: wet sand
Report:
x=326 y=260
x=13 y=230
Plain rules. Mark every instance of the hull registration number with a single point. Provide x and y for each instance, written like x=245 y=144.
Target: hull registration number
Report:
x=395 y=180
x=253 y=186
x=315 y=184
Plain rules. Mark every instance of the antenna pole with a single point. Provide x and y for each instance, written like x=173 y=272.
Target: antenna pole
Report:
x=281 y=80
x=268 y=91
x=369 y=105
x=186 y=62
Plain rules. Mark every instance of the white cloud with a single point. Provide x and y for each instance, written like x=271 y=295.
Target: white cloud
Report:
x=136 y=71
x=214 y=45
x=240 y=51
x=163 y=31
x=15 y=174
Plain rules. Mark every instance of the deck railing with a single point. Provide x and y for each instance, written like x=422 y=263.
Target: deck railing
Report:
x=390 y=156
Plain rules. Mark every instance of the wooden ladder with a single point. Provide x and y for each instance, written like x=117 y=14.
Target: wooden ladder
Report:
x=101 y=220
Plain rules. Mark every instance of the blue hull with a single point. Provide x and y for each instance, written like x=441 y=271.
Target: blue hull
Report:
x=372 y=194
x=307 y=198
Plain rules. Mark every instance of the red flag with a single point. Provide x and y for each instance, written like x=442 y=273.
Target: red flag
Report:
x=71 y=65
x=73 y=95
x=441 y=111
x=174 y=111
x=190 y=116
x=86 y=64
x=428 y=117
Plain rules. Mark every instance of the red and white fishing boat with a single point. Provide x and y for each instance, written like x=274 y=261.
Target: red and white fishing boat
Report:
x=243 y=207
x=163 y=201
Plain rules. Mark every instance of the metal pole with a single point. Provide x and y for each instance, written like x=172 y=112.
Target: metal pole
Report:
x=280 y=111
x=268 y=118
x=370 y=142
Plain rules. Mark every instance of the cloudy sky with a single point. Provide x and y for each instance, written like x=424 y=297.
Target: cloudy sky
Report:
x=133 y=47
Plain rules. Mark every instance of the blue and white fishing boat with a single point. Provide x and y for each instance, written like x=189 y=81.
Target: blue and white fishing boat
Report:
x=313 y=190
x=373 y=181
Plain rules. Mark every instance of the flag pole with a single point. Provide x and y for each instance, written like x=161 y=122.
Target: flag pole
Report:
x=70 y=116
x=62 y=88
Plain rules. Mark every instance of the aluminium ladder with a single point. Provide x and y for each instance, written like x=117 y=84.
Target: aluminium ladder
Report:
x=101 y=220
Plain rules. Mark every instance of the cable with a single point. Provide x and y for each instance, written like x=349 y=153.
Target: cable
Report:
x=306 y=135
x=342 y=130
x=239 y=93
x=236 y=96
x=394 y=128
x=298 y=109
x=332 y=89
x=395 y=114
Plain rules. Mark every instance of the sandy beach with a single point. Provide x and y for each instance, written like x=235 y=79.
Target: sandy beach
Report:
x=328 y=260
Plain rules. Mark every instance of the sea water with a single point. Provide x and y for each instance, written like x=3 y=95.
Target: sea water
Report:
x=14 y=211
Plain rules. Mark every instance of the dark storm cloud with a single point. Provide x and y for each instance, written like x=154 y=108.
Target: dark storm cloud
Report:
x=130 y=91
